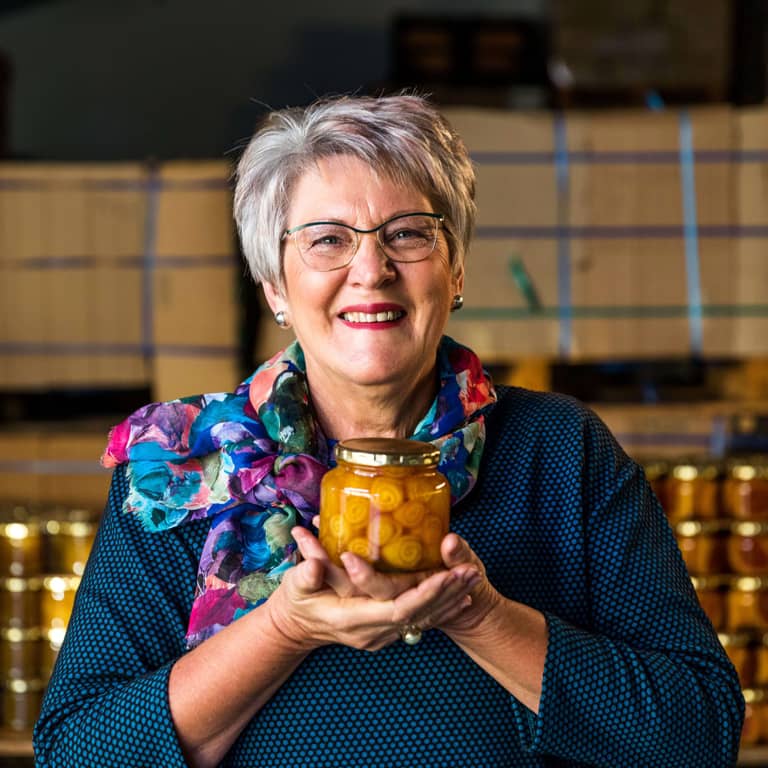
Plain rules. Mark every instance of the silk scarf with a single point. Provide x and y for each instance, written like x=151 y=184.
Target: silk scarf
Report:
x=251 y=461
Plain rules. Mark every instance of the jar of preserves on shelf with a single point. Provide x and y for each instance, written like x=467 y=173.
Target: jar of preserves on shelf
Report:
x=712 y=592
x=703 y=545
x=755 y=729
x=20 y=602
x=50 y=647
x=745 y=489
x=20 y=548
x=742 y=651
x=386 y=502
x=57 y=600
x=748 y=548
x=22 y=700
x=657 y=474
x=747 y=604
x=68 y=537
x=20 y=653
x=693 y=491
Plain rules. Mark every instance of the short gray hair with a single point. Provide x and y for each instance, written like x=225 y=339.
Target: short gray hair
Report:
x=404 y=137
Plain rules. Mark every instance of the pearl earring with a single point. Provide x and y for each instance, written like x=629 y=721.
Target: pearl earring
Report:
x=281 y=319
x=457 y=303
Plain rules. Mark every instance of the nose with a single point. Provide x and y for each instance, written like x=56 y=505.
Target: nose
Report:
x=371 y=266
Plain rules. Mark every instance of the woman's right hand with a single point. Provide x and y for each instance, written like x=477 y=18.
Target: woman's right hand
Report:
x=317 y=604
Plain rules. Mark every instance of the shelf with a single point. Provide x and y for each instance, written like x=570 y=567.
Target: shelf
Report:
x=15 y=743
x=19 y=744
x=754 y=756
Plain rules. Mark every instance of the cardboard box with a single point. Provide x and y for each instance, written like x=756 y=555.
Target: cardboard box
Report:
x=118 y=275
x=54 y=465
x=194 y=282
x=750 y=267
x=631 y=226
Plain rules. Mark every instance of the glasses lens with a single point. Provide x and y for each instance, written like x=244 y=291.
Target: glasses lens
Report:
x=409 y=238
x=326 y=246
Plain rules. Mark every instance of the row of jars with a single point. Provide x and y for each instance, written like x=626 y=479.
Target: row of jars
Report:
x=705 y=489
x=35 y=541
x=42 y=557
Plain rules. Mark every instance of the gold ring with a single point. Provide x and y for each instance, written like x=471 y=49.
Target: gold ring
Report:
x=411 y=634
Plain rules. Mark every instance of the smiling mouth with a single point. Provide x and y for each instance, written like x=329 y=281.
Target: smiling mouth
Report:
x=372 y=317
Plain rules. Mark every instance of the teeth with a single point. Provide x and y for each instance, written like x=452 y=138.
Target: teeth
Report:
x=371 y=317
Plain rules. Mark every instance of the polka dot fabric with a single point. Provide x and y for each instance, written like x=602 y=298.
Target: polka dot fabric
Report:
x=564 y=522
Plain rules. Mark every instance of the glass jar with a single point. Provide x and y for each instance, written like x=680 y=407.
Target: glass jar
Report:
x=69 y=537
x=692 y=491
x=57 y=600
x=745 y=489
x=742 y=651
x=20 y=603
x=51 y=645
x=747 y=604
x=712 y=592
x=386 y=502
x=755 y=716
x=703 y=546
x=748 y=548
x=20 y=548
x=22 y=700
x=657 y=474
x=20 y=653
x=761 y=664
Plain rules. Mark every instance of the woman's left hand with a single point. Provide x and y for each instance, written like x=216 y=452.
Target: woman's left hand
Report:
x=358 y=577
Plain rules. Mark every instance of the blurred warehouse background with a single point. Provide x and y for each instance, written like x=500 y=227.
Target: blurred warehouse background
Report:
x=620 y=255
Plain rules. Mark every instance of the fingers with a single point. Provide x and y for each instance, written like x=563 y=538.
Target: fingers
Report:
x=311 y=549
x=455 y=551
x=380 y=586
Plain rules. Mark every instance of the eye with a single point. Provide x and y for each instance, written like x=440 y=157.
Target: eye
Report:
x=325 y=237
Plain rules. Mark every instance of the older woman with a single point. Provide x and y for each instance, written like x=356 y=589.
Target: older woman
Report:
x=213 y=628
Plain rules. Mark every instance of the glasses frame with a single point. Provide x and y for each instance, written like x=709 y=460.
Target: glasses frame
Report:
x=439 y=217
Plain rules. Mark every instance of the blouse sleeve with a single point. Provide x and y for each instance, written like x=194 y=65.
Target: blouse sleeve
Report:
x=646 y=681
x=107 y=701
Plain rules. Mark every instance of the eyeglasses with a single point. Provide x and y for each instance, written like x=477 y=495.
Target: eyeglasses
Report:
x=328 y=245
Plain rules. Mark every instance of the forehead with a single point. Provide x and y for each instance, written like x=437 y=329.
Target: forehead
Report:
x=344 y=188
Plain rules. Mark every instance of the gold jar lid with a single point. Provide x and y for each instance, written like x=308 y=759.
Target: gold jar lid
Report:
x=695 y=470
x=387 y=452
x=690 y=528
x=754 y=695
x=18 y=531
x=735 y=640
x=75 y=529
x=746 y=469
x=21 y=685
x=655 y=468
x=712 y=581
x=749 y=584
x=18 y=584
x=61 y=583
x=749 y=528
x=19 y=635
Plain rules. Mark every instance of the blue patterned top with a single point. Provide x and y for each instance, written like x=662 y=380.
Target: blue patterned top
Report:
x=563 y=520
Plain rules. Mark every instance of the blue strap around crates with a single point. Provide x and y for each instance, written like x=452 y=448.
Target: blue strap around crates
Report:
x=690 y=233
x=565 y=312
x=150 y=261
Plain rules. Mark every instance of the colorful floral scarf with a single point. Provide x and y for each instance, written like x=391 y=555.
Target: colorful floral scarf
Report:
x=252 y=461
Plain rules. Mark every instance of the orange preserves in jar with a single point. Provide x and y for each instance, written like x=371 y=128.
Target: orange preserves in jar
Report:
x=712 y=592
x=747 y=604
x=386 y=502
x=742 y=652
x=754 y=730
x=745 y=489
x=692 y=491
x=703 y=545
x=748 y=548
